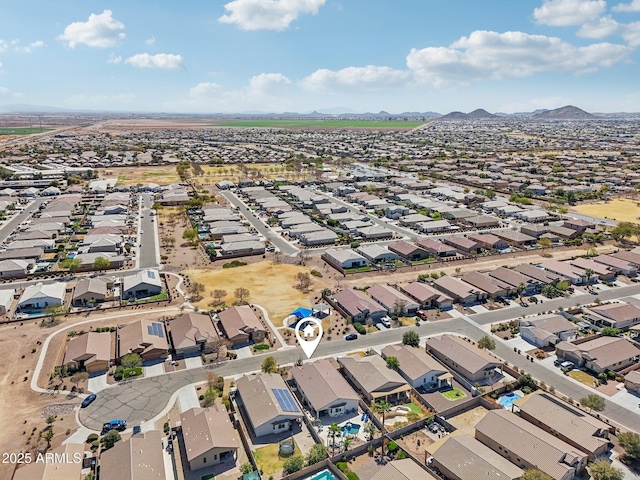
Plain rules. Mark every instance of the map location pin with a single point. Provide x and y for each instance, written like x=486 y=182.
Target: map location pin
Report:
x=307 y=336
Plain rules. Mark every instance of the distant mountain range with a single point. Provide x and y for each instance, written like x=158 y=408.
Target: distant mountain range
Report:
x=568 y=112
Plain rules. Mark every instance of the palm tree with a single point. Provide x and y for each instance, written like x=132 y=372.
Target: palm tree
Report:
x=588 y=272
x=334 y=430
x=382 y=407
x=520 y=289
x=346 y=443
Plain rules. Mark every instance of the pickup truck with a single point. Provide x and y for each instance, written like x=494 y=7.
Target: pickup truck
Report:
x=115 y=425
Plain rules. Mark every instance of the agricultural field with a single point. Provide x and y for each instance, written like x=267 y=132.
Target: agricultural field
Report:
x=318 y=124
x=270 y=285
x=162 y=175
x=622 y=210
x=23 y=130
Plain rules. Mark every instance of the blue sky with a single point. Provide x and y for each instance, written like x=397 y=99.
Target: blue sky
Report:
x=304 y=55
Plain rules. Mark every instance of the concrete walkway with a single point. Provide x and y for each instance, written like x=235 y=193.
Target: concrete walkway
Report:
x=273 y=327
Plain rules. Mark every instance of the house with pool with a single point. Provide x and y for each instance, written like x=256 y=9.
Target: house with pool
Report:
x=323 y=390
x=374 y=380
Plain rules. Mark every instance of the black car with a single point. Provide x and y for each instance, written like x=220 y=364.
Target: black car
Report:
x=87 y=401
x=351 y=336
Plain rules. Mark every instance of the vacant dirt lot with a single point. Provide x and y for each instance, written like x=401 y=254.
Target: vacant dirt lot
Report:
x=162 y=175
x=270 y=285
x=622 y=210
x=466 y=422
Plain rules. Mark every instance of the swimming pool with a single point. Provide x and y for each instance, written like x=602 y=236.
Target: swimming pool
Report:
x=350 y=429
x=324 y=475
x=507 y=400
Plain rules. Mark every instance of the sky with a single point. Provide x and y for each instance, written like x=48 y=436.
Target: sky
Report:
x=331 y=56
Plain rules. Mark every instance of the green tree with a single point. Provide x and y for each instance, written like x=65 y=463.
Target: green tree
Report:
x=610 y=331
x=588 y=273
x=520 y=289
x=545 y=242
x=110 y=439
x=630 y=441
x=623 y=231
x=526 y=381
x=101 y=263
x=487 y=343
x=48 y=436
x=317 y=453
x=535 y=474
x=131 y=360
x=71 y=264
x=334 y=431
x=393 y=363
x=242 y=294
x=603 y=470
x=190 y=234
x=293 y=464
x=79 y=377
x=210 y=396
x=269 y=365
x=593 y=401
x=382 y=407
x=411 y=338
x=346 y=443
x=246 y=468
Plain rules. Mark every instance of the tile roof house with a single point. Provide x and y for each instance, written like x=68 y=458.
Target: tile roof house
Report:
x=40 y=296
x=358 y=305
x=269 y=405
x=545 y=330
x=377 y=253
x=437 y=248
x=514 y=279
x=94 y=290
x=147 y=338
x=416 y=366
x=405 y=469
x=409 y=251
x=492 y=286
x=617 y=265
x=569 y=424
x=373 y=378
x=427 y=296
x=191 y=332
x=475 y=364
x=16 y=268
x=600 y=354
x=324 y=391
x=241 y=325
x=528 y=446
x=209 y=436
x=64 y=470
x=138 y=458
x=344 y=258
x=92 y=351
x=617 y=315
x=632 y=381
x=144 y=283
x=459 y=290
x=394 y=301
x=462 y=457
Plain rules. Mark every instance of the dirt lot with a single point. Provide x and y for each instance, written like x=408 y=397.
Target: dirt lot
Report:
x=161 y=174
x=270 y=285
x=622 y=210
x=21 y=409
x=466 y=422
x=262 y=171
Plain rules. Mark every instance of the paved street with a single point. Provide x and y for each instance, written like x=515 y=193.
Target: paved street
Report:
x=148 y=252
x=12 y=224
x=285 y=247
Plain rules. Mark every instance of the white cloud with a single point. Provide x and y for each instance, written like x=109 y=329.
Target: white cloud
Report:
x=268 y=14
x=205 y=90
x=4 y=90
x=269 y=84
x=150 y=41
x=3 y=45
x=634 y=6
x=562 y=13
x=31 y=46
x=486 y=55
x=632 y=34
x=114 y=59
x=101 y=30
x=355 y=79
x=601 y=28
x=164 y=61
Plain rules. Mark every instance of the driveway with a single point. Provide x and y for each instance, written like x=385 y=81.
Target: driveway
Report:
x=98 y=383
x=154 y=370
x=188 y=398
x=193 y=362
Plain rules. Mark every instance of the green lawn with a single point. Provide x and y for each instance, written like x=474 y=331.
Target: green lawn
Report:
x=319 y=123
x=453 y=394
x=155 y=298
x=413 y=407
x=132 y=372
x=209 y=476
x=360 y=269
x=582 y=377
x=268 y=459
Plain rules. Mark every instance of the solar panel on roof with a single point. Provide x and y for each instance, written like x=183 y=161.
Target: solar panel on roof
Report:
x=155 y=329
x=285 y=399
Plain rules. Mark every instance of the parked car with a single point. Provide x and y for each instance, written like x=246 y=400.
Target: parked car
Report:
x=386 y=321
x=87 y=401
x=351 y=336
x=119 y=425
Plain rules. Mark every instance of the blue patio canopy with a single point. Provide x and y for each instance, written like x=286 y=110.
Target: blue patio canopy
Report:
x=302 y=312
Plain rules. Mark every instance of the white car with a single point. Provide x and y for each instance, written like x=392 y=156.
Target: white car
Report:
x=386 y=321
x=141 y=232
